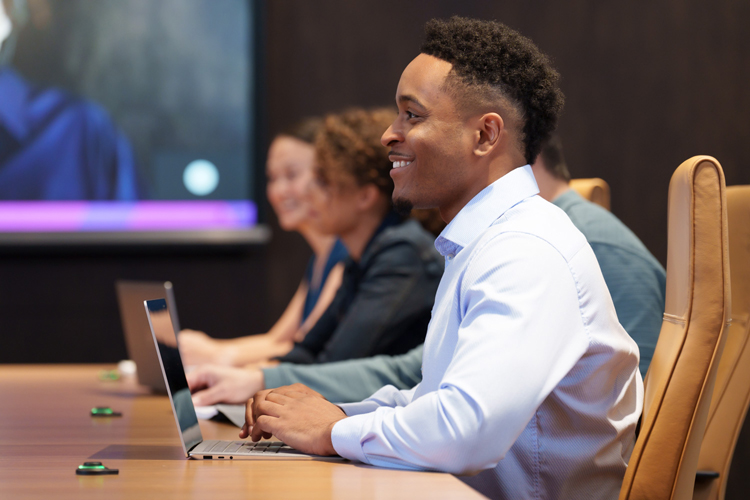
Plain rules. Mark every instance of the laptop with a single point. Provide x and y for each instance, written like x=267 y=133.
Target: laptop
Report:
x=165 y=340
x=130 y=296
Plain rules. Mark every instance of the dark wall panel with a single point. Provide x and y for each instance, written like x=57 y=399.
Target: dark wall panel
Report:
x=648 y=84
x=62 y=308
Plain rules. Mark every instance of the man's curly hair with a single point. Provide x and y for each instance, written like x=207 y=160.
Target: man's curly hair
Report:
x=348 y=147
x=490 y=60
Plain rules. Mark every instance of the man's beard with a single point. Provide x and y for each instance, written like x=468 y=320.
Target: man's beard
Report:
x=402 y=206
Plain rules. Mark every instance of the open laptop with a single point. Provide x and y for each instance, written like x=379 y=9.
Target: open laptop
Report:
x=130 y=296
x=165 y=340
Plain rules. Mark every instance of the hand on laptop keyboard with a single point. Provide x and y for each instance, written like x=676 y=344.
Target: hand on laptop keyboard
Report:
x=297 y=415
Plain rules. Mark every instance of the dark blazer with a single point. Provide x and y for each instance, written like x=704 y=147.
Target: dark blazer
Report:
x=385 y=300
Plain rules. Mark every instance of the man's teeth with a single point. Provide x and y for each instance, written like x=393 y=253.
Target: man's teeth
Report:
x=399 y=164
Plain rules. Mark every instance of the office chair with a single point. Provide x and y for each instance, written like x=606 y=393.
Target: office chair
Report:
x=732 y=390
x=679 y=382
x=595 y=190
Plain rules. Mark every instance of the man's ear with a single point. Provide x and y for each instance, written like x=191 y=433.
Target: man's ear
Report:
x=490 y=130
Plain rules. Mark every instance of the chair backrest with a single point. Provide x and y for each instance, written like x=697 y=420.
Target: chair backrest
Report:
x=595 y=190
x=681 y=376
x=732 y=389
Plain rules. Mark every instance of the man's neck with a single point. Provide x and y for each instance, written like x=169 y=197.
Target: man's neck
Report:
x=491 y=172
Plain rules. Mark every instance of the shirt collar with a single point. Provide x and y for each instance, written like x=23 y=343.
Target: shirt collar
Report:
x=489 y=204
x=14 y=93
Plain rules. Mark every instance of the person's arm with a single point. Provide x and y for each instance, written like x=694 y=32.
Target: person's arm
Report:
x=520 y=333
x=340 y=382
x=351 y=380
x=638 y=287
x=330 y=287
x=198 y=348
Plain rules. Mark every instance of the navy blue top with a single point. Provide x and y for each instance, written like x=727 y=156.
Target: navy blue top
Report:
x=54 y=146
x=338 y=254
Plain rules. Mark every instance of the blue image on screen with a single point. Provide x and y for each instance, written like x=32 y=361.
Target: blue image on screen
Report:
x=113 y=99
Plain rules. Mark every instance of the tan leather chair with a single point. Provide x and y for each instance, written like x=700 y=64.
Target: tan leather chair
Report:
x=732 y=390
x=680 y=379
x=595 y=190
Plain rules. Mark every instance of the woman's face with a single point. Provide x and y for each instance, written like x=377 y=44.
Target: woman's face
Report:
x=289 y=170
x=335 y=207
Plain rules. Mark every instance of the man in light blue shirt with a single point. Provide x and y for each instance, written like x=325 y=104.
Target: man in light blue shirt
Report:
x=530 y=386
x=635 y=279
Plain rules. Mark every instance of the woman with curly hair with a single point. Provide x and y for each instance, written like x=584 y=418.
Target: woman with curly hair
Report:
x=383 y=305
x=389 y=282
x=290 y=170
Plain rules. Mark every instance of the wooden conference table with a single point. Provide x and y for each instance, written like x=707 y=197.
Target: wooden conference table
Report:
x=46 y=431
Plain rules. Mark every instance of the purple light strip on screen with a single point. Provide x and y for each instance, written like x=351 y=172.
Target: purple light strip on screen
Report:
x=65 y=216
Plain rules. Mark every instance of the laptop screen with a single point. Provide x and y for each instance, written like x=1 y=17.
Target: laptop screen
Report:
x=165 y=339
x=130 y=297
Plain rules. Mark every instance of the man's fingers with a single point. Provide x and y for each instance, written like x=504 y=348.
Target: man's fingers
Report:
x=249 y=412
x=281 y=399
x=258 y=398
x=257 y=432
x=268 y=407
x=244 y=431
x=266 y=426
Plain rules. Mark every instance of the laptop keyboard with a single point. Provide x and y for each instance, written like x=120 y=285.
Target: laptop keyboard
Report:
x=230 y=447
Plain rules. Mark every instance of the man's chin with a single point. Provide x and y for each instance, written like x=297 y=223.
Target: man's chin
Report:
x=402 y=206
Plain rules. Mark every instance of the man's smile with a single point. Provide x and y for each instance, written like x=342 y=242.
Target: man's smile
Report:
x=400 y=160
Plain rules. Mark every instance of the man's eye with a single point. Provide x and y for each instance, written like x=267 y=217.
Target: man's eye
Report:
x=410 y=115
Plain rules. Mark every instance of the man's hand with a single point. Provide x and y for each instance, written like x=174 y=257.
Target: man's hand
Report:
x=211 y=384
x=296 y=414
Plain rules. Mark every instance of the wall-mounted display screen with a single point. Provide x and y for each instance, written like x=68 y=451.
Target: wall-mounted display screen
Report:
x=127 y=117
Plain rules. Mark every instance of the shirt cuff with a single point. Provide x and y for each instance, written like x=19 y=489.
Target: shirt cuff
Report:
x=345 y=437
x=352 y=409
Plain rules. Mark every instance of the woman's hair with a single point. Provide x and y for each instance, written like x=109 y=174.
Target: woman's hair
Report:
x=305 y=130
x=348 y=147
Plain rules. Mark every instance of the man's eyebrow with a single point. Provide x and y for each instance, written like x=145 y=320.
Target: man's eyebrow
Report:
x=409 y=98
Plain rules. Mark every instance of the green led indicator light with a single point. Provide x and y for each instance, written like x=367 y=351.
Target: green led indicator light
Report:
x=104 y=411
x=95 y=469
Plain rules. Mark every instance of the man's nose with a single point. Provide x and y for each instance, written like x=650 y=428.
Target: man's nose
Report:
x=390 y=137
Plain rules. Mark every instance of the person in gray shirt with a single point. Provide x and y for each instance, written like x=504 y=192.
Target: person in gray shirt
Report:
x=636 y=281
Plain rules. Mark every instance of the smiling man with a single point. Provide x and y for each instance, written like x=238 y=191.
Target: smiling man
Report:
x=530 y=385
